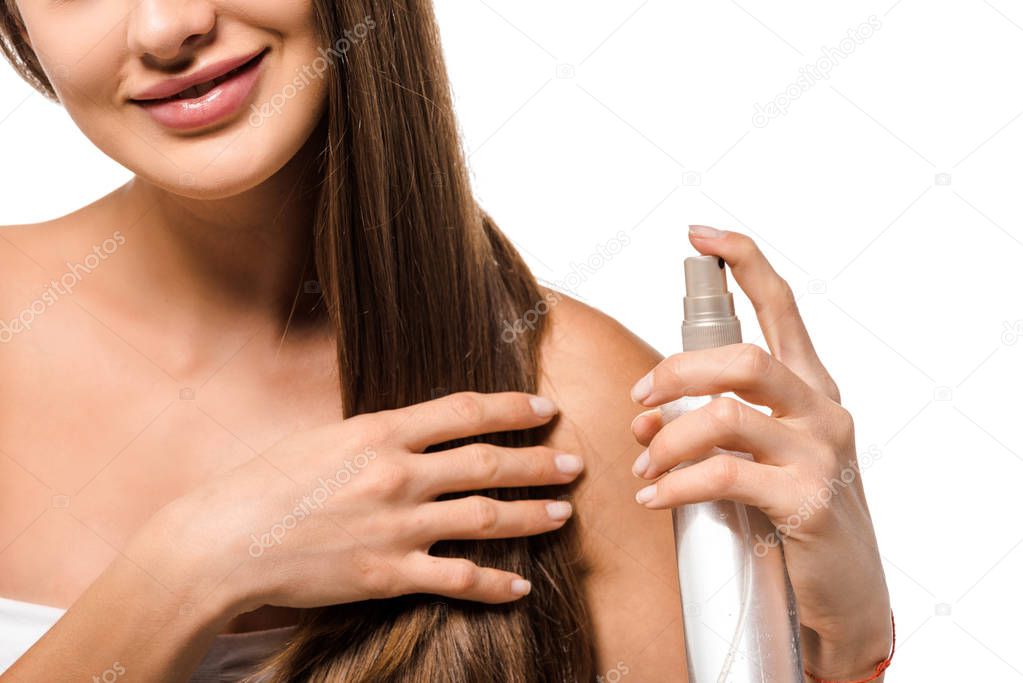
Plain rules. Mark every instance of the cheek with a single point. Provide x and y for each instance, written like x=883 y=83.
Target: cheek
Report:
x=90 y=69
x=76 y=51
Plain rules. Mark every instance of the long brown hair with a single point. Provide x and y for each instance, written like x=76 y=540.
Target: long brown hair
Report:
x=421 y=289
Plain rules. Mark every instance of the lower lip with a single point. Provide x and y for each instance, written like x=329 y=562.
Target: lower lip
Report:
x=219 y=103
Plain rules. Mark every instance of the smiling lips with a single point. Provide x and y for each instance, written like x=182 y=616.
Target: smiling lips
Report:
x=203 y=103
x=203 y=88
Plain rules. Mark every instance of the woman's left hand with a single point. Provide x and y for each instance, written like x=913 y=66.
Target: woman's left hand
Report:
x=804 y=475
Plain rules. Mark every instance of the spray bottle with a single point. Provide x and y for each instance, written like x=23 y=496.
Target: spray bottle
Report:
x=739 y=611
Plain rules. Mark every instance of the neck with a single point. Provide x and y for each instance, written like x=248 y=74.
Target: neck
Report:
x=216 y=262
x=197 y=279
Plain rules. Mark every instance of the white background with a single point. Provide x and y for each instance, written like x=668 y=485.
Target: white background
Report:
x=886 y=196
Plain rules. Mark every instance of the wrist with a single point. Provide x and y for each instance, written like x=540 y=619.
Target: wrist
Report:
x=189 y=563
x=851 y=652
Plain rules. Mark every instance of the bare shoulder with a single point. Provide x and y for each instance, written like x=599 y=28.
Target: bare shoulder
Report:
x=28 y=253
x=47 y=245
x=19 y=263
x=33 y=253
x=589 y=363
x=13 y=239
x=596 y=328
x=28 y=247
x=40 y=265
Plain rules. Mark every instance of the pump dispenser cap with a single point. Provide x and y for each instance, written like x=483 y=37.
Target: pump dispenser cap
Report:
x=709 y=311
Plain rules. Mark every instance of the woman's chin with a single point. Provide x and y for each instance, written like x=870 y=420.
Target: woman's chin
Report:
x=232 y=172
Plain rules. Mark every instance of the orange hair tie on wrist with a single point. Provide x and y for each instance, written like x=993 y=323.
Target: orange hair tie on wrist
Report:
x=878 y=670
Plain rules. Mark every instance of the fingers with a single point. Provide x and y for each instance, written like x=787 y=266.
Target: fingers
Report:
x=721 y=477
x=484 y=465
x=723 y=423
x=772 y=298
x=470 y=413
x=480 y=517
x=745 y=369
x=465 y=580
x=645 y=425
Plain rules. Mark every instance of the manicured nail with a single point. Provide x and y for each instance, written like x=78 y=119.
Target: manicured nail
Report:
x=645 y=495
x=559 y=510
x=521 y=587
x=568 y=464
x=645 y=413
x=643 y=387
x=704 y=231
x=642 y=462
x=543 y=407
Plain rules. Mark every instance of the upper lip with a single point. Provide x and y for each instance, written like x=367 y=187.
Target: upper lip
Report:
x=172 y=86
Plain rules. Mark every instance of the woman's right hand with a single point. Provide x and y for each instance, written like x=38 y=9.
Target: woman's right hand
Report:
x=348 y=511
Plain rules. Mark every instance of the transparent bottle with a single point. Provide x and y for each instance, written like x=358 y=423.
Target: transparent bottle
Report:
x=738 y=608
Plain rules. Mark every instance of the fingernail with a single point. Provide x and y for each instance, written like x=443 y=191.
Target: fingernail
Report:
x=568 y=464
x=645 y=495
x=559 y=510
x=642 y=462
x=543 y=407
x=704 y=231
x=645 y=413
x=643 y=387
x=521 y=587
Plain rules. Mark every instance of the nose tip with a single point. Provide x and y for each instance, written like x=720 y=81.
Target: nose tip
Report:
x=168 y=30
